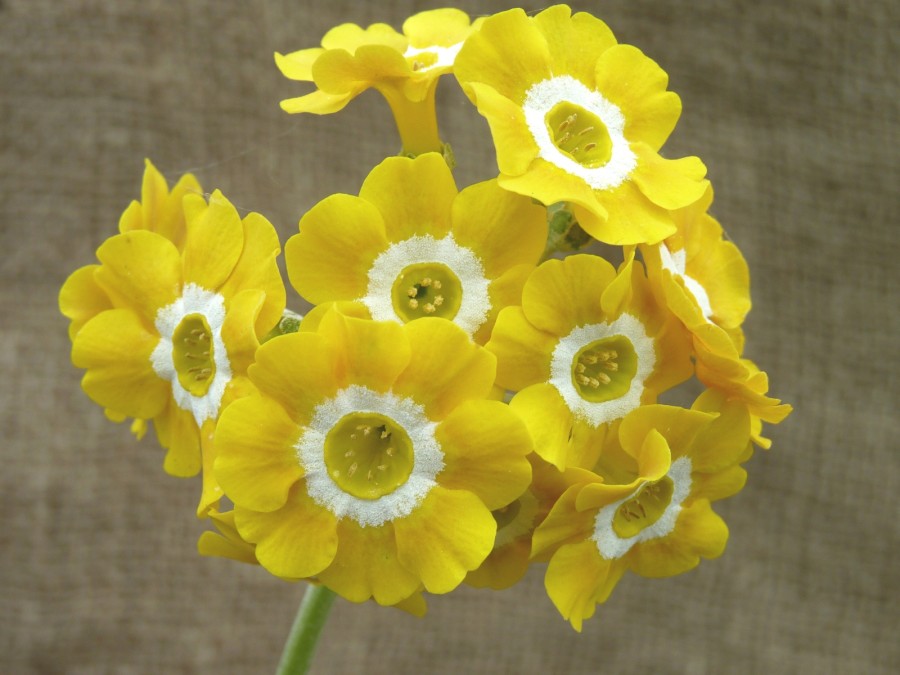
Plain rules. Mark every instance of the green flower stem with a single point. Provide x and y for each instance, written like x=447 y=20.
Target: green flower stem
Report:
x=301 y=643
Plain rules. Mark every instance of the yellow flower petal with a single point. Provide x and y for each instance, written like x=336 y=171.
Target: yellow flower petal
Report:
x=504 y=567
x=228 y=544
x=485 y=445
x=564 y=524
x=141 y=270
x=523 y=352
x=257 y=269
x=449 y=534
x=238 y=332
x=502 y=228
x=337 y=71
x=699 y=532
x=408 y=212
x=177 y=431
x=299 y=370
x=366 y=566
x=719 y=485
x=298 y=65
x=631 y=218
x=256 y=462
x=548 y=419
x=515 y=146
x=215 y=238
x=504 y=291
x=578 y=578
x=575 y=42
x=549 y=184
x=679 y=428
x=331 y=256
x=637 y=85
x=669 y=183
x=372 y=353
x=445 y=367
x=295 y=542
x=563 y=294
x=438 y=27
x=81 y=298
x=115 y=348
x=508 y=53
x=317 y=103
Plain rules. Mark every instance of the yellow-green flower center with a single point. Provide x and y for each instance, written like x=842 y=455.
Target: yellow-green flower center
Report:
x=580 y=134
x=368 y=455
x=192 y=354
x=644 y=508
x=603 y=370
x=426 y=289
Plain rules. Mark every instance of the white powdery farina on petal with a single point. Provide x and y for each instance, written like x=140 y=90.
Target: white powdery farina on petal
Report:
x=428 y=459
x=611 y=546
x=675 y=263
x=542 y=97
x=193 y=300
x=476 y=301
x=596 y=413
x=444 y=56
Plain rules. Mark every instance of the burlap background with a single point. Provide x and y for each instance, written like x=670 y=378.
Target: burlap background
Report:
x=793 y=106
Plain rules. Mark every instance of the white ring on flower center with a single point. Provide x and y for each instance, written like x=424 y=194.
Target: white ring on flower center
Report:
x=428 y=459
x=542 y=97
x=596 y=413
x=476 y=300
x=611 y=546
x=675 y=263
x=194 y=300
x=445 y=56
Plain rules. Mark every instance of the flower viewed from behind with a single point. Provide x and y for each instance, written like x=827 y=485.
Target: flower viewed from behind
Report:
x=370 y=459
x=411 y=246
x=403 y=67
x=587 y=346
x=647 y=507
x=183 y=325
x=578 y=118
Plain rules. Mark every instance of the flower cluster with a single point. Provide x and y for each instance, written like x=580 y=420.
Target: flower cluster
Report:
x=472 y=392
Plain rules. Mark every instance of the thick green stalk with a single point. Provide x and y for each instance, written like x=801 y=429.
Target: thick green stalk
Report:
x=301 y=643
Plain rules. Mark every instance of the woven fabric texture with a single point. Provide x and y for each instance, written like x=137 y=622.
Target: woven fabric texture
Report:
x=793 y=107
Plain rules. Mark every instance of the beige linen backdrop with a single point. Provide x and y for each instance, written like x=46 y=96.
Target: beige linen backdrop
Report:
x=794 y=109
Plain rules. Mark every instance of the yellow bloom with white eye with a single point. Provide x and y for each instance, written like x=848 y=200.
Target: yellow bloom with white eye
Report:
x=403 y=67
x=702 y=278
x=648 y=508
x=578 y=118
x=183 y=326
x=370 y=460
x=586 y=346
x=81 y=298
x=411 y=246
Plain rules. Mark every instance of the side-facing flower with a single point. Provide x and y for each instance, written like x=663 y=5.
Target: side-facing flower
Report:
x=405 y=68
x=411 y=246
x=183 y=327
x=370 y=459
x=702 y=278
x=587 y=346
x=648 y=507
x=578 y=118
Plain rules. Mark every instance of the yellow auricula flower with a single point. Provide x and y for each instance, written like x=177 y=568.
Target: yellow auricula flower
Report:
x=586 y=346
x=182 y=327
x=411 y=246
x=702 y=278
x=403 y=67
x=370 y=459
x=647 y=507
x=578 y=118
